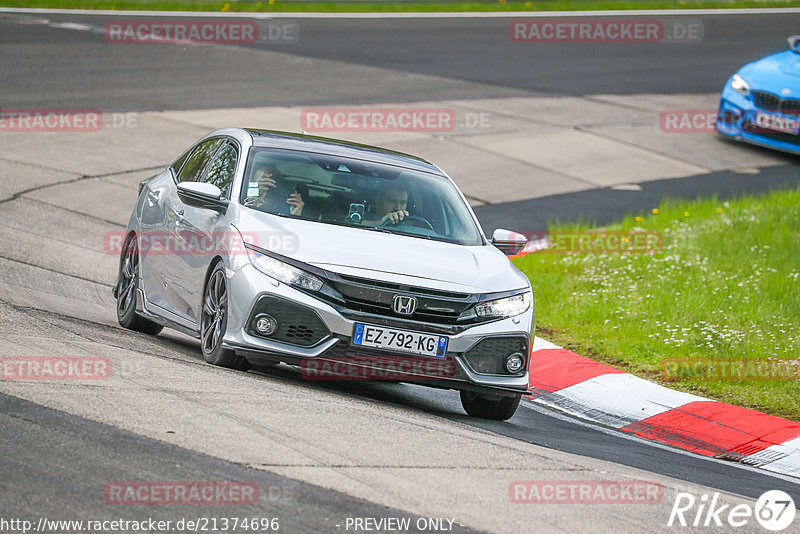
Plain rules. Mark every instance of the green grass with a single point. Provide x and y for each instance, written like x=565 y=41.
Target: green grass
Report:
x=390 y=6
x=725 y=287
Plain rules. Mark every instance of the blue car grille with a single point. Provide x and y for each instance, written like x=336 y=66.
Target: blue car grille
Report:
x=790 y=106
x=770 y=102
x=767 y=134
x=766 y=101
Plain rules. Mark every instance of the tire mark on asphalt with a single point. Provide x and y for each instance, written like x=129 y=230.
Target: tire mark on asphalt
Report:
x=80 y=178
x=76 y=212
x=28 y=264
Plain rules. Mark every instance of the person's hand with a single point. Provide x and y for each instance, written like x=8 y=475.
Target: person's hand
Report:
x=296 y=203
x=264 y=186
x=254 y=202
x=394 y=217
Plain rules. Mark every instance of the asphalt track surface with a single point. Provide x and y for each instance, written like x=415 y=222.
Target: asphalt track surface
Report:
x=607 y=205
x=363 y=61
x=57 y=458
x=59 y=447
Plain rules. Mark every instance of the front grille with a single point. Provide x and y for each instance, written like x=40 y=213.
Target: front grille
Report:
x=790 y=106
x=766 y=101
x=400 y=287
x=376 y=297
x=347 y=362
x=770 y=102
x=770 y=134
x=343 y=349
x=297 y=324
x=424 y=311
x=488 y=356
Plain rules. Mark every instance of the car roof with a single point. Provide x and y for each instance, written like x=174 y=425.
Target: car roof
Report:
x=337 y=147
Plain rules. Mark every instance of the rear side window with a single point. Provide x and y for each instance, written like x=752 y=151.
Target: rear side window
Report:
x=193 y=168
x=223 y=168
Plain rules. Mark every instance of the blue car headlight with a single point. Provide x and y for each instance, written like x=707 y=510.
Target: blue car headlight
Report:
x=739 y=85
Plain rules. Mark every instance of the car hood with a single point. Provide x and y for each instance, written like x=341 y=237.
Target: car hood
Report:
x=774 y=73
x=381 y=256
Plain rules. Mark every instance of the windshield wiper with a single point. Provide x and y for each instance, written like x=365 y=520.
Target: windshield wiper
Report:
x=377 y=229
x=287 y=215
x=395 y=232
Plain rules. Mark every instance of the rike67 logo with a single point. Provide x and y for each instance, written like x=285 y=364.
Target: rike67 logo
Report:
x=774 y=510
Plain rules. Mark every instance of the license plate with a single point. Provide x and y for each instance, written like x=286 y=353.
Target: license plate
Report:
x=381 y=337
x=777 y=123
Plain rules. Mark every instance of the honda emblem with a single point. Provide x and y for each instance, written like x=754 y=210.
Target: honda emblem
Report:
x=404 y=305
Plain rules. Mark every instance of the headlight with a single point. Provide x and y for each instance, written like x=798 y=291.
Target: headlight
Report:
x=506 y=307
x=284 y=272
x=739 y=85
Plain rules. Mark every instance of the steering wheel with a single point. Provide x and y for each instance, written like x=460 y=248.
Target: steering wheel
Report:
x=413 y=220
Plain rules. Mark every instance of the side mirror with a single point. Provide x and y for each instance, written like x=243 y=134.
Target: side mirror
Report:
x=509 y=243
x=794 y=42
x=202 y=195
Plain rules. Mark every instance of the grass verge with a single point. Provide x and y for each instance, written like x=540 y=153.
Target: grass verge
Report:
x=389 y=6
x=715 y=312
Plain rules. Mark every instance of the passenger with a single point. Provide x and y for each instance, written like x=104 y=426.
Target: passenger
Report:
x=268 y=177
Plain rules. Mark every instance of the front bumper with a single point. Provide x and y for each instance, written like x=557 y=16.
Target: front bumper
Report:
x=248 y=285
x=736 y=119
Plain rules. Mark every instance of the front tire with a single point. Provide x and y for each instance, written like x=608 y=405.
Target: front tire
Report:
x=214 y=323
x=497 y=408
x=127 y=284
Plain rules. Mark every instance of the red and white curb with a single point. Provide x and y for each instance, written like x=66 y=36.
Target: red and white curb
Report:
x=591 y=390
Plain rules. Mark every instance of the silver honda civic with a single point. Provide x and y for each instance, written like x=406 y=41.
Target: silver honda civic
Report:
x=347 y=261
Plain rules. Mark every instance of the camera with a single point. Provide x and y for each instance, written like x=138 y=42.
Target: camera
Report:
x=356 y=214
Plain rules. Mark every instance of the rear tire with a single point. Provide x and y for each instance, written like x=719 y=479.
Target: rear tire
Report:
x=127 y=284
x=490 y=406
x=214 y=322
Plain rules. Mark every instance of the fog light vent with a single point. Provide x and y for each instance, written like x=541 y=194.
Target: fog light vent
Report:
x=514 y=363
x=265 y=324
x=286 y=321
x=492 y=355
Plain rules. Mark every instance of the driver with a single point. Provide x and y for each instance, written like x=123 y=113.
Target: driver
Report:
x=391 y=207
x=268 y=177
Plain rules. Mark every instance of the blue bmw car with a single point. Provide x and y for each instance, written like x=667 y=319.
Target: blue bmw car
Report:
x=760 y=104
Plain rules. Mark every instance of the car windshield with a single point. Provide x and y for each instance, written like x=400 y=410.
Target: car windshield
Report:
x=357 y=193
